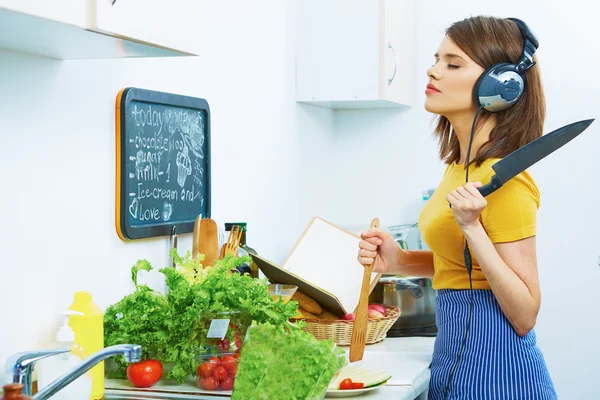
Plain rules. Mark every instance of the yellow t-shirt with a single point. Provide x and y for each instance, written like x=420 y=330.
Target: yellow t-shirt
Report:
x=510 y=215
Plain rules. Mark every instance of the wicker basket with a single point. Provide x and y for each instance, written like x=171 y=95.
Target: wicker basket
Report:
x=340 y=331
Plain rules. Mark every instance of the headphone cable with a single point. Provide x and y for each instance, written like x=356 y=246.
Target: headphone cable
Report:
x=468 y=266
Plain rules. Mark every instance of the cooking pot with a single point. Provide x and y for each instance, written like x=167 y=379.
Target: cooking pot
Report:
x=414 y=296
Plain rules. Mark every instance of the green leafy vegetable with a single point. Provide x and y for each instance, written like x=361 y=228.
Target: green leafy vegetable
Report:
x=285 y=363
x=172 y=328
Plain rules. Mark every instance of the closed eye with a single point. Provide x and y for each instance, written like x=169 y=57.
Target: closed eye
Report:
x=452 y=66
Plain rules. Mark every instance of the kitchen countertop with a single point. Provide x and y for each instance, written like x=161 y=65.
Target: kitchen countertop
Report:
x=407 y=359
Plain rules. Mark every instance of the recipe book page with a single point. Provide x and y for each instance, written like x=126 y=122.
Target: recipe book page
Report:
x=326 y=256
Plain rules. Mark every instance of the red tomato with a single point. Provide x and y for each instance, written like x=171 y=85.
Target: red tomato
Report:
x=211 y=383
x=220 y=373
x=202 y=382
x=357 y=385
x=227 y=383
x=144 y=373
x=346 y=384
x=206 y=369
x=224 y=344
x=215 y=360
x=236 y=355
x=231 y=365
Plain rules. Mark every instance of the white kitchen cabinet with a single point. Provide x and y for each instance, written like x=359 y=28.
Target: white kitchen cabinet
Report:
x=171 y=24
x=66 y=11
x=355 y=53
x=91 y=29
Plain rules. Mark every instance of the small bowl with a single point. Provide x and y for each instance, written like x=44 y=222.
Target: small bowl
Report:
x=217 y=372
x=285 y=292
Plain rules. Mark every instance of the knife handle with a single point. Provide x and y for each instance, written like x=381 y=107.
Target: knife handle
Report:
x=491 y=187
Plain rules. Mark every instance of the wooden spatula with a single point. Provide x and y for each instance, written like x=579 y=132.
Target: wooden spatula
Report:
x=209 y=241
x=359 y=331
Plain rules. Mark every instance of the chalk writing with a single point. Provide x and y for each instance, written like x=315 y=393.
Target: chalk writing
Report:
x=166 y=149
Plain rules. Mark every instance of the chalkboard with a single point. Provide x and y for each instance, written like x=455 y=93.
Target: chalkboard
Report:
x=163 y=163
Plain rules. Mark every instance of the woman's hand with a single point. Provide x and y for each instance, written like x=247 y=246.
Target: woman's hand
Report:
x=467 y=204
x=378 y=248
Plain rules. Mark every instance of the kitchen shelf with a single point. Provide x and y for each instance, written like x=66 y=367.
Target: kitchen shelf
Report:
x=34 y=35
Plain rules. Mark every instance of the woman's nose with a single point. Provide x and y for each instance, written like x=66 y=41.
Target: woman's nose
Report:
x=433 y=73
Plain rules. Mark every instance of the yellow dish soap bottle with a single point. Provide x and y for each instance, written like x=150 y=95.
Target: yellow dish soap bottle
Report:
x=89 y=334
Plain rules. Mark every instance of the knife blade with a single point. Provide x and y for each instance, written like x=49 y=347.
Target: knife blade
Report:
x=524 y=157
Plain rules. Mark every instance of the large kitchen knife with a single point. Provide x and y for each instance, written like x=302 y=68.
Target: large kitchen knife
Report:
x=524 y=157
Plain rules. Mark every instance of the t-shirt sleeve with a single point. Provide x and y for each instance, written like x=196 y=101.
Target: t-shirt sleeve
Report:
x=511 y=212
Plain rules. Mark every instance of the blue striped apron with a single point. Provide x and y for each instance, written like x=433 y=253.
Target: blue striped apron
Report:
x=495 y=363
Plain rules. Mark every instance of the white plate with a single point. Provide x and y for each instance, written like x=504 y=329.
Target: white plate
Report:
x=352 y=392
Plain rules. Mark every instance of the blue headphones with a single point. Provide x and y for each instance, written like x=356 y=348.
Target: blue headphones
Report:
x=501 y=85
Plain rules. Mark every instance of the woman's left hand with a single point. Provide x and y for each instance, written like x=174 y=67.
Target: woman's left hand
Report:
x=467 y=204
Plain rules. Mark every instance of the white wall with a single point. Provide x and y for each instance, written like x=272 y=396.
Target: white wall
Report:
x=291 y=162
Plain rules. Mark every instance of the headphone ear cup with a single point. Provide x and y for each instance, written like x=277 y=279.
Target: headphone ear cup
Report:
x=498 y=87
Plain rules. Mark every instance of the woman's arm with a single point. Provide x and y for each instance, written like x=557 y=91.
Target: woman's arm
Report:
x=414 y=263
x=379 y=249
x=511 y=270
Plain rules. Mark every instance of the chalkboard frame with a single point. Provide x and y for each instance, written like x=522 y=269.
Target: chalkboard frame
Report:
x=124 y=98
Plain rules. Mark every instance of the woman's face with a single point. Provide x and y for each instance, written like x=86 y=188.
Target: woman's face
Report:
x=451 y=81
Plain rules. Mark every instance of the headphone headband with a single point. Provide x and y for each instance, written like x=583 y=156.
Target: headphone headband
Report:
x=502 y=84
x=530 y=45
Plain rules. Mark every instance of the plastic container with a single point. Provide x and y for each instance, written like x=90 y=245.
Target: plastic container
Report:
x=51 y=368
x=217 y=371
x=89 y=334
x=221 y=332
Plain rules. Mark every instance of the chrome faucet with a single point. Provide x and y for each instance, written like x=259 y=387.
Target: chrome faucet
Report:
x=23 y=368
x=21 y=365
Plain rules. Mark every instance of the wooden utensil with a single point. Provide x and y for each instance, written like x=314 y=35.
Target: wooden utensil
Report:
x=359 y=331
x=196 y=238
x=209 y=241
x=233 y=242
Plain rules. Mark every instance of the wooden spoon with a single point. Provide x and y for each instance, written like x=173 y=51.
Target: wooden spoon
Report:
x=359 y=331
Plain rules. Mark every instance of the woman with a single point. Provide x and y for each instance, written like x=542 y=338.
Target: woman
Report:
x=490 y=351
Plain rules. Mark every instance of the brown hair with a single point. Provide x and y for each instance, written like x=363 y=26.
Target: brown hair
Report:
x=487 y=41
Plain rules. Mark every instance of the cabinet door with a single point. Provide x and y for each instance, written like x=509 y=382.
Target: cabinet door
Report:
x=73 y=12
x=396 y=51
x=170 y=24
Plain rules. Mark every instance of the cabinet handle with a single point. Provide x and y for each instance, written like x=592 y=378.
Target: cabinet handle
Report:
x=395 y=64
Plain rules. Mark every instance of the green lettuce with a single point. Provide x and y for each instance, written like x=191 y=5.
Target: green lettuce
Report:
x=172 y=328
x=285 y=363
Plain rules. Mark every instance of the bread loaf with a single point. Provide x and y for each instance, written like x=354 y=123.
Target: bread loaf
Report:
x=307 y=303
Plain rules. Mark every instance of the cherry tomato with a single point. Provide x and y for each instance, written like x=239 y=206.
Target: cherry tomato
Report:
x=227 y=383
x=144 y=373
x=224 y=344
x=205 y=370
x=215 y=360
x=202 y=382
x=236 y=355
x=229 y=362
x=231 y=365
x=357 y=385
x=219 y=373
x=211 y=383
x=346 y=384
